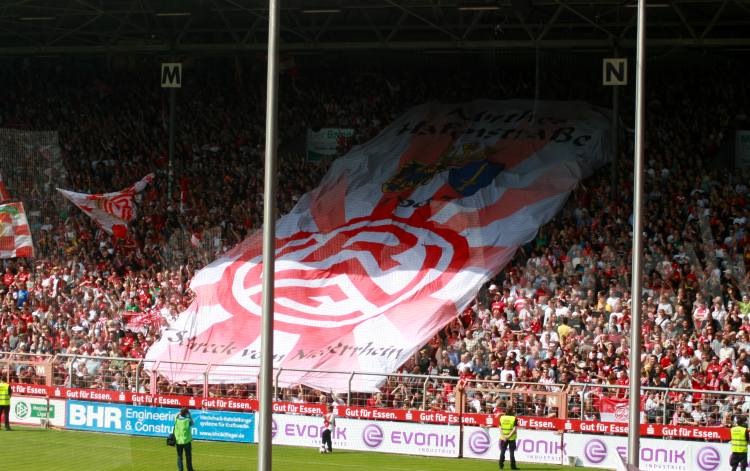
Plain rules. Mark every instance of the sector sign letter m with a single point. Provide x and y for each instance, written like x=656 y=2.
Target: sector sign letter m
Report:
x=171 y=75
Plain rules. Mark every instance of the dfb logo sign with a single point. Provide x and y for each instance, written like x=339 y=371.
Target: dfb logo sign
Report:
x=171 y=75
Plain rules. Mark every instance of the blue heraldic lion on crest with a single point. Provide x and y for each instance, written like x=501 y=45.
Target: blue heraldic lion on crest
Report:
x=469 y=170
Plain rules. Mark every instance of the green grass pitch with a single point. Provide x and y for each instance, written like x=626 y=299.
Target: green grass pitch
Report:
x=30 y=449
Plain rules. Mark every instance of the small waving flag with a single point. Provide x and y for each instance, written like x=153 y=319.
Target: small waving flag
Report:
x=15 y=236
x=111 y=211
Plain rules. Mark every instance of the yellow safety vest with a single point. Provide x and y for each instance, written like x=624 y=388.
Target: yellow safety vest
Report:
x=182 y=432
x=4 y=394
x=507 y=424
x=739 y=439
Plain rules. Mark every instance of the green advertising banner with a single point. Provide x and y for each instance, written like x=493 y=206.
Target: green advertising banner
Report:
x=26 y=409
x=323 y=144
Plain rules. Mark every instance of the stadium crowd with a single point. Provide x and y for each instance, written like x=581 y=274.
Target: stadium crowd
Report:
x=559 y=314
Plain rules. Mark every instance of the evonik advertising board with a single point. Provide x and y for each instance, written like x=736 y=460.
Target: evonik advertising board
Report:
x=158 y=421
x=656 y=455
x=532 y=446
x=366 y=435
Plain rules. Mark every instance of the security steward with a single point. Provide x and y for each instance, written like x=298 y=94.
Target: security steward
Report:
x=5 y=402
x=739 y=437
x=508 y=437
x=184 y=438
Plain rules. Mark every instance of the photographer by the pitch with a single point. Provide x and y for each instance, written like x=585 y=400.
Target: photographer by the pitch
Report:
x=184 y=438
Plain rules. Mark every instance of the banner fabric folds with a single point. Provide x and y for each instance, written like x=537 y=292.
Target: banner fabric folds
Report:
x=394 y=242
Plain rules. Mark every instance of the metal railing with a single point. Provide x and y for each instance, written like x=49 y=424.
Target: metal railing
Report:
x=668 y=406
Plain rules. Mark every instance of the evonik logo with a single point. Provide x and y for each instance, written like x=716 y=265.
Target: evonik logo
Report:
x=373 y=436
x=595 y=451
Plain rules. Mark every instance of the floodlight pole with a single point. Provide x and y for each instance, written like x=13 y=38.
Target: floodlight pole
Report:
x=265 y=386
x=634 y=430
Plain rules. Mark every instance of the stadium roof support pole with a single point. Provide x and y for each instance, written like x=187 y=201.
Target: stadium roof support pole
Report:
x=635 y=325
x=265 y=387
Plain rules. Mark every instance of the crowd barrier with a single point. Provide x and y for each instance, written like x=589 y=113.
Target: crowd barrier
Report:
x=399 y=389
x=54 y=393
x=103 y=378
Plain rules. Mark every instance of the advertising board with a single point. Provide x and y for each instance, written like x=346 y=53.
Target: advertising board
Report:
x=406 y=415
x=33 y=410
x=324 y=143
x=158 y=421
x=367 y=435
x=656 y=455
x=719 y=434
x=533 y=446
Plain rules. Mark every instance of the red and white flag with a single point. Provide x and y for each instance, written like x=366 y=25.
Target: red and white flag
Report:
x=616 y=409
x=4 y=194
x=15 y=235
x=613 y=410
x=138 y=321
x=112 y=211
x=391 y=245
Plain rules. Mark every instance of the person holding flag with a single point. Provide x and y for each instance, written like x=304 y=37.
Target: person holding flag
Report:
x=329 y=422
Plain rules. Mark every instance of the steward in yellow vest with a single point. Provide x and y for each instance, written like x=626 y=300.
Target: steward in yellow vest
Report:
x=739 y=436
x=184 y=438
x=508 y=436
x=5 y=402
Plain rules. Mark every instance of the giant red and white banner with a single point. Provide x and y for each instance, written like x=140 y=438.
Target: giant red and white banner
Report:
x=393 y=243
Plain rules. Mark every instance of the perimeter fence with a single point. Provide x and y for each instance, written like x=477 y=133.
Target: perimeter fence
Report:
x=589 y=402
